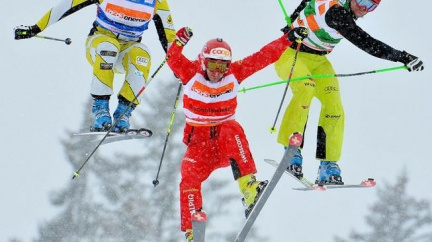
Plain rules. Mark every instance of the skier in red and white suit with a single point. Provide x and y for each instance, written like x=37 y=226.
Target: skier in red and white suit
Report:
x=213 y=136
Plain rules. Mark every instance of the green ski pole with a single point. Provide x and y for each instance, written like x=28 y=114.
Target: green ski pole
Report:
x=324 y=76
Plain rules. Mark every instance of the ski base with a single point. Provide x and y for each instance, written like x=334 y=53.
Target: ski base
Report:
x=294 y=143
x=113 y=137
x=199 y=220
x=311 y=186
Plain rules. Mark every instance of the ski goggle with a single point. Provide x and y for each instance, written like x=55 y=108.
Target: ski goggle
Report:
x=212 y=65
x=367 y=5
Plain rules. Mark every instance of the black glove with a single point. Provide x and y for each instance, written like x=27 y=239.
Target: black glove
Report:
x=25 y=32
x=183 y=36
x=413 y=63
x=297 y=34
x=286 y=29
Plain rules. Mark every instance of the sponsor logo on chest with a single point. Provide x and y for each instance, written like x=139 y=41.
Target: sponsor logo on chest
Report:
x=128 y=14
x=207 y=91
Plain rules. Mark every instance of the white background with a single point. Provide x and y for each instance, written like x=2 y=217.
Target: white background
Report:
x=45 y=85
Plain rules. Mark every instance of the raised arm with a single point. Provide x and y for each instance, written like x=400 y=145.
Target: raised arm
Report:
x=62 y=10
x=341 y=20
x=182 y=67
x=266 y=55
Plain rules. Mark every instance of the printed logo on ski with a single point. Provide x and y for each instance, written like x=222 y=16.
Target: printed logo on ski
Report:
x=198 y=217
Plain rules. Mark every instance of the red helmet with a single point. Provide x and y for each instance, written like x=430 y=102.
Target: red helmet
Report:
x=216 y=49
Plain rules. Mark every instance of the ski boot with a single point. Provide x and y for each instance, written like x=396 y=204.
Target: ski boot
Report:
x=102 y=117
x=329 y=173
x=251 y=189
x=122 y=125
x=295 y=165
x=189 y=235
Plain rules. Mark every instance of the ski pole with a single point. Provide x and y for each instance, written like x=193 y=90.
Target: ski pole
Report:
x=324 y=76
x=156 y=181
x=68 y=41
x=287 y=18
x=289 y=22
x=76 y=173
x=272 y=129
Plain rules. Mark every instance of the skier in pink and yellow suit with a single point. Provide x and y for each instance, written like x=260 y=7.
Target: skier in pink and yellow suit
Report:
x=113 y=46
x=213 y=137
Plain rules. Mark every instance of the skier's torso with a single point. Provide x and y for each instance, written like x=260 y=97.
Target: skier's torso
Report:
x=321 y=36
x=207 y=103
x=329 y=21
x=126 y=18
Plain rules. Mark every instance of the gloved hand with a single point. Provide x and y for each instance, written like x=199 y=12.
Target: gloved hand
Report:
x=183 y=36
x=413 y=63
x=297 y=34
x=25 y=32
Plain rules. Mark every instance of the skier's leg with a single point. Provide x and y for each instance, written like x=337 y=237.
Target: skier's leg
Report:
x=197 y=165
x=102 y=53
x=332 y=116
x=296 y=114
x=134 y=61
x=330 y=127
x=235 y=148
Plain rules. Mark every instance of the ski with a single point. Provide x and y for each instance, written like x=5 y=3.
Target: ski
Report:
x=368 y=183
x=114 y=137
x=199 y=220
x=311 y=186
x=294 y=143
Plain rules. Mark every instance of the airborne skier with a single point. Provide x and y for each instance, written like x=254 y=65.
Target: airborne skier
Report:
x=328 y=22
x=213 y=137
x=114 y=45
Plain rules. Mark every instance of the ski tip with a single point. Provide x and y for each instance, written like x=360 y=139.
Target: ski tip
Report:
x=321 y=188
x=145 y=132
x=370 y=182
x=296 y=139
x=199 y=216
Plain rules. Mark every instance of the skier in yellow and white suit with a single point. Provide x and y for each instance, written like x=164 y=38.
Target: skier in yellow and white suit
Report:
x=114 y=45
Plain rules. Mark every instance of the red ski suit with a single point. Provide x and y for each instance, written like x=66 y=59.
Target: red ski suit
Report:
x=213 y=137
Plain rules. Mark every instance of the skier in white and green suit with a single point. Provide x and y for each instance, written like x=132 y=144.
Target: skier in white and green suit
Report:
x=328 y=22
